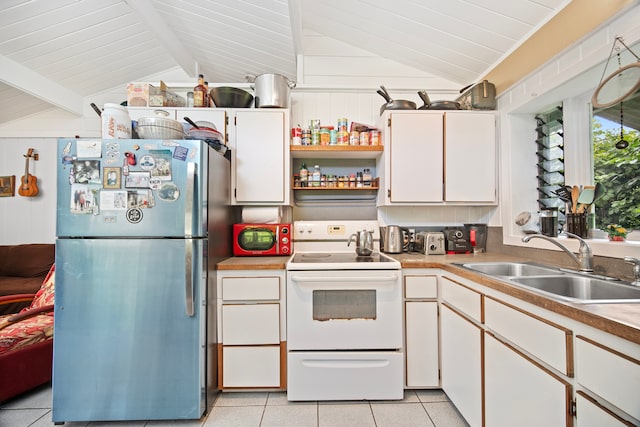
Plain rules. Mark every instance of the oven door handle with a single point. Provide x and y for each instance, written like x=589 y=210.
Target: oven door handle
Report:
x=350 y=279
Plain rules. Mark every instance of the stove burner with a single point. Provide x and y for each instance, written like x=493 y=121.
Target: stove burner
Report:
x=338 y=258
x=314 y=255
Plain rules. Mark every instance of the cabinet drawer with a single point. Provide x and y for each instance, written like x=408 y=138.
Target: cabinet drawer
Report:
x=592 y=414
x=420 y=287
x=464 y=299
x=250 y=288
x=610 y=374
x=547 y=341
x=250 y=324
x=251 y=366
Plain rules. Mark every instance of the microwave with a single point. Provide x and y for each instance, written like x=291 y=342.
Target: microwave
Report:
x=261 y=239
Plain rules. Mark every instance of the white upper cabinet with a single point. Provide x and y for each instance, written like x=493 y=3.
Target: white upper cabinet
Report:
x=438 y=157
x=470 y=157
x=260 y=157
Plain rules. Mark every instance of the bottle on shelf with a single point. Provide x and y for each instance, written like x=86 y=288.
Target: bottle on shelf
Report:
x=316 y=176
x=304 y=175
x=200 y=95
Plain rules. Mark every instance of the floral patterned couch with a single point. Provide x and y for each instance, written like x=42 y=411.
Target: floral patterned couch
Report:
x=22 y=270
x=26 y=341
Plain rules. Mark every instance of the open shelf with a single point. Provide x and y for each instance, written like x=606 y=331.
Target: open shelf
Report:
x=336 y=151
x=375 y=185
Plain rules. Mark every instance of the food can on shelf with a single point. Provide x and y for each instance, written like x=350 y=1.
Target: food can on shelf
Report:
x=325 y=136
x=342 y=124
x=296 y=136
x=342 y=137
x=306 y=137
x=354 y=138
x=333 y=137
x=315 y=136
x=364 y=138
x=374 y=137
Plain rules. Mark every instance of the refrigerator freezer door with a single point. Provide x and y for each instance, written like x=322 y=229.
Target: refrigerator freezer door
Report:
x=125 y=347
x=149 y=188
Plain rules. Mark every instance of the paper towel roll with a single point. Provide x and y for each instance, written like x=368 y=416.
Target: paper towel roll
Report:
x=261 y=215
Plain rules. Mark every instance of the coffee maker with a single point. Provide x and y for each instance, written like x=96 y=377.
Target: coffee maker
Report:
x=457 y=240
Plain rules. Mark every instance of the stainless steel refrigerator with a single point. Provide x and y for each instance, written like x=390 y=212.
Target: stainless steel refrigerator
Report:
x=140 y=226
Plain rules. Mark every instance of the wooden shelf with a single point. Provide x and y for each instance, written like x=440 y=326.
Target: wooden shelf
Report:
x=336 y=151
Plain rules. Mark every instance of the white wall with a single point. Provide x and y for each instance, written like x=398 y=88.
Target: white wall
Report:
x=29 y=219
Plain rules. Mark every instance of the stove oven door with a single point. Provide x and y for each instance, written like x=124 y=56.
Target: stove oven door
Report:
x=344 y=310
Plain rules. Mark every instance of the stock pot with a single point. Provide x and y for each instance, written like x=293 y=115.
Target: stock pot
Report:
x=271 y=90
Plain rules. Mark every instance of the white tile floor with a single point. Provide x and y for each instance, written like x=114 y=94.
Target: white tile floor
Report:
x=419 y=408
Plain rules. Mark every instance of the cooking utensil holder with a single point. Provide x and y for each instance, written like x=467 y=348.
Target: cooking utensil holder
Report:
x=577 y=224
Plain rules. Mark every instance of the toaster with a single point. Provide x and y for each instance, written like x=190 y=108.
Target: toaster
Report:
x=430 y=243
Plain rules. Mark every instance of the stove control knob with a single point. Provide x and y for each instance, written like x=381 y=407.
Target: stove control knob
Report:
x=285 y=240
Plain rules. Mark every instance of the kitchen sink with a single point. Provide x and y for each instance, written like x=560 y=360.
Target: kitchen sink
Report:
x=577 y=287
x=510 y=269
x=581 y=289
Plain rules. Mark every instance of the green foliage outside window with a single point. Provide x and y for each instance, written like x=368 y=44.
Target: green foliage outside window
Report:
x=619 y=172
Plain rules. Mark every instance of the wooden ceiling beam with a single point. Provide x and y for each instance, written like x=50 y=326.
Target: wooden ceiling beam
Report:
x=29 y=81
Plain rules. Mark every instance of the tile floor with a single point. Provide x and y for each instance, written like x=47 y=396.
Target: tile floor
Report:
x=419 y=408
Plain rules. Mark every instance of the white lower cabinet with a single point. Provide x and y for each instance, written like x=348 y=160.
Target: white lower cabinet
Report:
x=519 y=392
x=593 y=414
x=421 y=352
x=610 y=374
x=421 y=330
x=251 y=325
x=251 y=366
x=461 y=352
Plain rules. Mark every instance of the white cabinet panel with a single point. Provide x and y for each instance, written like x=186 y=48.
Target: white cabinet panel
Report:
x=461 y=349
x=420 y=287
x=261 y=157
x=250 y=324
x=421 y=349
x=591 y=414
x=549 y=342
x=520 y=393
x=251 y=366
x=470 y=157
x=466 y=300
x=415 y=151
x=250 y=288
x=610 y=374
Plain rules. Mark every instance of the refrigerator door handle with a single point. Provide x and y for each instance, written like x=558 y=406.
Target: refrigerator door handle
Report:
x=188 y=277
x=188 y=202
x=188 y=233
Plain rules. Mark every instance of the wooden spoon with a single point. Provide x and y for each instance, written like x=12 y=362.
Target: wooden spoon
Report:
x=575 y=193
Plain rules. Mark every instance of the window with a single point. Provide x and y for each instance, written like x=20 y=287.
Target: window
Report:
x=550 y=153
x=616 y=166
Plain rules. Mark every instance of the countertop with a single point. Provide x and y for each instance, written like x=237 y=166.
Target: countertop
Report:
x=622 y=320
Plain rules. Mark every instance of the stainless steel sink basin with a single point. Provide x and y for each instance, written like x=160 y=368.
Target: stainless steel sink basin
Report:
x=510 y=269
x=581 y=289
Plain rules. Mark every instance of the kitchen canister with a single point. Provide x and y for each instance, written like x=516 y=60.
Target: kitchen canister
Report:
x=116 y=123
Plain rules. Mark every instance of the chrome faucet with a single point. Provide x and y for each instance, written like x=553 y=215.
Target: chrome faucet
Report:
x=636 y=269
x=584 y=258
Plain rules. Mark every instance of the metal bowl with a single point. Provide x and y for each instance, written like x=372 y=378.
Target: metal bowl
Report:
x=231 y=97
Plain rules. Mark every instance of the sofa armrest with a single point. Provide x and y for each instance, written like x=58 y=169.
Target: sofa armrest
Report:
x=10 y=299
x=15 y=318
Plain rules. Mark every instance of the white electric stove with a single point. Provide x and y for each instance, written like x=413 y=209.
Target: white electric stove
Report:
x=344 y=316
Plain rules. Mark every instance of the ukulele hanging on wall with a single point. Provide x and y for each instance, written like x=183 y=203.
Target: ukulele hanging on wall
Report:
x=28 y=183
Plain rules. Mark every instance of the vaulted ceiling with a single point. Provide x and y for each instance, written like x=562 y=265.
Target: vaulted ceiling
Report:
x=56 y=52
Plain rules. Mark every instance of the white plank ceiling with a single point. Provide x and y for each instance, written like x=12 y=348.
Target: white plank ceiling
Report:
x=54 y=53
